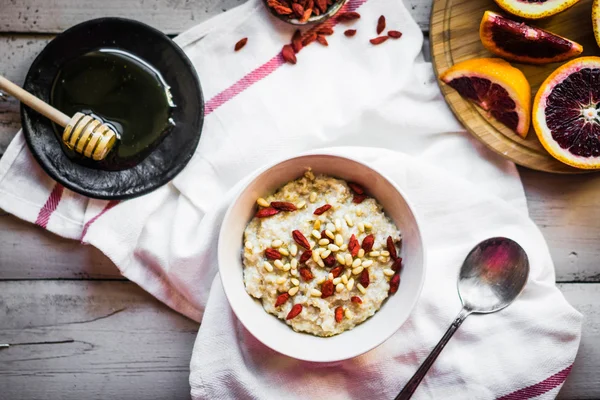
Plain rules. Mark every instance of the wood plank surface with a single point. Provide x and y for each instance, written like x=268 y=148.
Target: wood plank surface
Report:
x=584 y=379
x=126 y=345
x=170 y=16
x=30 y=252
x=567 y=210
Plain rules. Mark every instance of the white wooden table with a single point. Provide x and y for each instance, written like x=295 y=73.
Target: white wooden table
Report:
x=126 y=344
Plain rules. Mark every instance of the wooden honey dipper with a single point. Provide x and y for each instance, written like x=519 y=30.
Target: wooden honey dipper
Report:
x=83 y=134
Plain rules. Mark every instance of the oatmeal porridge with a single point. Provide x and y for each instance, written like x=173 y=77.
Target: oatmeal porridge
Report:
x=321 y=255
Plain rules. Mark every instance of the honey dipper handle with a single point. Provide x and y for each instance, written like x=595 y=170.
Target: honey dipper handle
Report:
x=33 y=102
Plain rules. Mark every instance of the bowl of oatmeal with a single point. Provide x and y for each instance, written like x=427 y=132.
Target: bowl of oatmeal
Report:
x=321 y=257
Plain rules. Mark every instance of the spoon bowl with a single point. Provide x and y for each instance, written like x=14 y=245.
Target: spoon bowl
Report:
x=492 y=275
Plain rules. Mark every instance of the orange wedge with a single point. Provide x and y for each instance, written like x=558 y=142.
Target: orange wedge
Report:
x=524 y=43
x=535 y=9
x=497 y=87
x=596 y=20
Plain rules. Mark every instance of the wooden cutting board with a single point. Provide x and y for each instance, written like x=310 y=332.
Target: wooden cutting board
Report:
x=454 y=36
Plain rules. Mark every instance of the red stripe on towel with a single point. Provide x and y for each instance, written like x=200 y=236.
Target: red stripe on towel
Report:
x=539 y=388
x=50 y=206
x=107 y=207
x=268 y=68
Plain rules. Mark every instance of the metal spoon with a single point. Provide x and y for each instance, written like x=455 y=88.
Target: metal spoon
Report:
x=491 y=278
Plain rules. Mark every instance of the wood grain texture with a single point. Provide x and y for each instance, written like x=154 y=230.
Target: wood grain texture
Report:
x=584 y=380
x=455 y=37
x=170 y=16
x=30 y=252
x=126 y=345
x=567 y=210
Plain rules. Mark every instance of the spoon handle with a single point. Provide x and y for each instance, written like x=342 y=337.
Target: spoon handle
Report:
x=413 y=383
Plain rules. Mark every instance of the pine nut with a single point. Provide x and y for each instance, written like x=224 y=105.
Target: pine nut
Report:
x=268 y=266
x=295 y=282
x=361 y=253
x=361 y=288
x=294 y=272
x=368 y=225
x=338 y=225
x=374 y=254
x=348 y=273
x=262 y=202
x=329 y=234
x=350 y=283
x=316 y=254
x=248 y=245
x=357 y=270
x=337 y=280
x=344 y=279
x=367 y=263
x=323 y=242
x=293 y=291
x=348 y=313
x=344 y=247
x=330 y=276
x=301 y=204
x=321 y=280
x=287 y=267
x=356 y=263
x=317 y=225
x=315 y=293
x=383 y=259
x=339 y=287
x=320 y=263
x=293 y=250
x=325 y=254
x=333 y=247
x=349 y=221
x=330 y=227
x=278 y=264
x=313 y=197
x=281 y=280
x=361 y=226
x=276 y=243
x=294 y=263
x=385 y=253
x=284 y=252
x=348 y=258
x=339 y=240
x=316 y=234
x=388 y=272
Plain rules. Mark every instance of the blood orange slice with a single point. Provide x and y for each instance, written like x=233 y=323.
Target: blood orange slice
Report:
x=566 y=113
x=497 y=87
x=535 y=9
x=524 y=43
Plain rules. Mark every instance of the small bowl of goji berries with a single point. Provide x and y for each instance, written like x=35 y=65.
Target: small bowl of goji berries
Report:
x=321 y=257
x=303 y=12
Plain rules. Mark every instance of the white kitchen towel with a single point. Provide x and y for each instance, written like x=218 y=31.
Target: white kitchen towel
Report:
x=384 y=101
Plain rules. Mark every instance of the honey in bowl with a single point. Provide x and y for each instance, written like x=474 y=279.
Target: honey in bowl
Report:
x=123 y=91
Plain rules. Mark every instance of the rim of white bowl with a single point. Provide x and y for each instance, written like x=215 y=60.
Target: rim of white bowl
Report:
x=228 y=292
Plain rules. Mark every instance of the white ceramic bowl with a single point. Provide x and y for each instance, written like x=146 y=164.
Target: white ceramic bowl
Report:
x=273 y=332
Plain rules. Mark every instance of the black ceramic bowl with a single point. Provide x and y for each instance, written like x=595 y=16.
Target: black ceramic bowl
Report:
x=167 y=159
